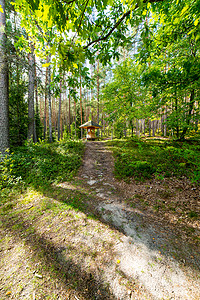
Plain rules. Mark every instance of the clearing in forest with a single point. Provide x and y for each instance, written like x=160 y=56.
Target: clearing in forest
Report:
x=99 y=238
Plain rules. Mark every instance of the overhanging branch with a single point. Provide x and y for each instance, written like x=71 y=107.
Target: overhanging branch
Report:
x=103 y=38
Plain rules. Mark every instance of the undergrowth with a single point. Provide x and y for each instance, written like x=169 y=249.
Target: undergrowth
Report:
x=143 y=159
x=38 y=165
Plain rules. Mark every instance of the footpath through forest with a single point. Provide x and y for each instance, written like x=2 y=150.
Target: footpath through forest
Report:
x=151 y=251
x=94 y=238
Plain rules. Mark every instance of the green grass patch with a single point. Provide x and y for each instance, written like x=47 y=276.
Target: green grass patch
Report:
x=39 y=165
x=143 y=159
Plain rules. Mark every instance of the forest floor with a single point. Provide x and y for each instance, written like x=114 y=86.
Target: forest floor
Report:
x=99 y=238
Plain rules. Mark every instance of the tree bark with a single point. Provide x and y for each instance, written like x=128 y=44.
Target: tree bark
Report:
x=31 y=87
x=189 y=115
x=4 y=120
x=59 y=111
x=45 y=103
x=98 y=96
x=81 y=109
x=69 y=114
x=75 y=116
x=49 y=101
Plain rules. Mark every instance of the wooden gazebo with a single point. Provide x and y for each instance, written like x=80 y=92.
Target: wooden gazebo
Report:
x=91 y=126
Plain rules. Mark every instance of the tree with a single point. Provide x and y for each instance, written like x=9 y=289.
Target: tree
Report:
x=173 y=77
x=31 y=88
x=4 y=119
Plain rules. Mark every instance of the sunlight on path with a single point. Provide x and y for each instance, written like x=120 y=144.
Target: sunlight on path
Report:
x=138 y=253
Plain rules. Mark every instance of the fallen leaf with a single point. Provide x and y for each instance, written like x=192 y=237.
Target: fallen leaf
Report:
x=8 y=293
x=118 y=261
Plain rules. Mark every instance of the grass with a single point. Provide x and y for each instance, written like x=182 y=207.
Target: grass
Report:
x=38 y=165
x=144 y=159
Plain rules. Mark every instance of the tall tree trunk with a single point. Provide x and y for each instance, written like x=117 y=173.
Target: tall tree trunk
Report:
x=45 y=103
x=19 y=142
x=81 y=108
x=49 y=101
x=36 y=119
x=75 y=115
x=153 y=127
x=176 y=110
x=189 y=115
x=59 y=110
x=4 y=120
x=149 y=127
x=54 y=121
x=69 y=114
x=98 y=96
x=31 y=87
x=165 y=121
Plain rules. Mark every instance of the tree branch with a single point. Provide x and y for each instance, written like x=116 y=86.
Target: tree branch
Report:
x=103 y=38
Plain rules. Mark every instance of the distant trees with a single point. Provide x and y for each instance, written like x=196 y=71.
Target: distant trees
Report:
x=159 y=82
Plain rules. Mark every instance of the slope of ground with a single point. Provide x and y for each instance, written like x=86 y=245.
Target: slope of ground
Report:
x=97 y=238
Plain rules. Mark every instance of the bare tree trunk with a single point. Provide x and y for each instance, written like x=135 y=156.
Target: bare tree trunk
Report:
x=59 y=110
x=137 y=128
x=98 y=96
x=31 y=86
x=49 y=101
x=36 y=106
x=81 y=109
x=189 y=115
x=153 y=127
x=45 y=103
x=4 y=120
x=69 y=114
x=75 y=115
x=165 y=122
x=53 y=100
x=150 y=127
x=144 y=128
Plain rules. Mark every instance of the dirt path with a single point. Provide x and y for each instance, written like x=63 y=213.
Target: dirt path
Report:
x=96 y=238
x=151 y=252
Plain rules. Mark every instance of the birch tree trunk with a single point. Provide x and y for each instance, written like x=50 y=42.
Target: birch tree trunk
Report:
x=4 y=120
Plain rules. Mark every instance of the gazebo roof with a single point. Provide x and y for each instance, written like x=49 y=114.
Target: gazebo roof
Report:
x=90 y=124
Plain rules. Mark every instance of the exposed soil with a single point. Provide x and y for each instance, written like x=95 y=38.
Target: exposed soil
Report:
x=98 y=238
x=160 y=246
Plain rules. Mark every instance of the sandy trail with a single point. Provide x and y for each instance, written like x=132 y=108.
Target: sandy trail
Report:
x=145 y=253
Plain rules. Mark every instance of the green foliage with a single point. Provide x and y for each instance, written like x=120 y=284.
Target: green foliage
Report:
x=18 y=113
x=40 y=164
x=145 y=159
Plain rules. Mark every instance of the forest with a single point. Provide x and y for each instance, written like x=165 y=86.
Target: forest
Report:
x=133 y=67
